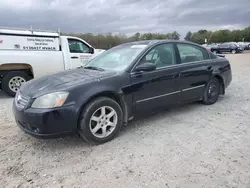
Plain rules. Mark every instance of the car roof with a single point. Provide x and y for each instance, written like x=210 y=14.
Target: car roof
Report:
x=155 y=41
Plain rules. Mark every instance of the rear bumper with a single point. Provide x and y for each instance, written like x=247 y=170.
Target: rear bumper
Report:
x=227 y=77
x=46 y=123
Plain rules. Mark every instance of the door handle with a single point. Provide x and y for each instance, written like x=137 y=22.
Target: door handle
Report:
x=177 y=75
x=74 y=57
x=209 y=68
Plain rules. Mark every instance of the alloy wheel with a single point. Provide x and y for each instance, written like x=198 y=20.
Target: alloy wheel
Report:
x=233 y=51
x=103 y=122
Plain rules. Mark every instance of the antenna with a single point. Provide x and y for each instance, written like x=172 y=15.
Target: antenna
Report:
x=59 y=31
x=31 y=29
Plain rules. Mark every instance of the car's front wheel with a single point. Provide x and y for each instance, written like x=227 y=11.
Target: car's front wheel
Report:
x=101 y=120
x=212 y=91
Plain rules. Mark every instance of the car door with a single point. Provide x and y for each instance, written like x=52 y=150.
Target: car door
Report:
x=156 y=88
x=224 y=48
x=80 y=53
x=195 y=71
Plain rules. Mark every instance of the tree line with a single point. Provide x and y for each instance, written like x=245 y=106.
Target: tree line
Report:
x=219 y=36
x=106 y=41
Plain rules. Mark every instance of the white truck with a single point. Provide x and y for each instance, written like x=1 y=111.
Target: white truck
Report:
x=26 y=54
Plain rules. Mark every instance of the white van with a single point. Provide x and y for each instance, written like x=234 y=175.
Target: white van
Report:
x=28 y=54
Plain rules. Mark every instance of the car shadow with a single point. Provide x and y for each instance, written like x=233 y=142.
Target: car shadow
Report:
x=5 y=96
x=76 y=141
x=58 y=144
x=152 y=116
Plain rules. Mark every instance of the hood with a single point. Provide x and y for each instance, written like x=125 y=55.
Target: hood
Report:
x=62 y=81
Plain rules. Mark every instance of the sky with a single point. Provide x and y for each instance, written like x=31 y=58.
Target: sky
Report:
x=125 y=16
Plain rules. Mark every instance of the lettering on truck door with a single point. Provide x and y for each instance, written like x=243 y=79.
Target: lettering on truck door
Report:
x=79 y=53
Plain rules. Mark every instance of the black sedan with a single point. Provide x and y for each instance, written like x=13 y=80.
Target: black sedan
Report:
x=98 y=99
x=227 y=47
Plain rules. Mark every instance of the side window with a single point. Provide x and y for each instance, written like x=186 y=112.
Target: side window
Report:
x=76 y=46
x=191 y=53
x=224 y=45
x=162 y=55
x=151 y=56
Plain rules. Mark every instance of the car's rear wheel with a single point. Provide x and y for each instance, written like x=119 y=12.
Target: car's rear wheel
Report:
x=215 y=51
x=233 y=51
x=101 y=120
x=212 y=91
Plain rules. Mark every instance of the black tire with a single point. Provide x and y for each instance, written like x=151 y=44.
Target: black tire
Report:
x=233 y=51
x=89 y=110
x=6 y=79
x=215 y=51
x=211 y=95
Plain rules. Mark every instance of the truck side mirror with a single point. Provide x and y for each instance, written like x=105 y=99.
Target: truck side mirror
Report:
x=91 y=50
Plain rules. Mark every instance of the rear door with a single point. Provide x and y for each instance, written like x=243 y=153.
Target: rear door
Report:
x=79 y=53
x=195 y=71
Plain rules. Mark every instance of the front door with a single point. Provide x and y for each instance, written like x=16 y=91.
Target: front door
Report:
x=157 y=88
x=79 y=53
x=195 y=71
x=225 y=48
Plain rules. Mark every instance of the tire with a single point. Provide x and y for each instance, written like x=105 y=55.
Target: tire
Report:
x=19 y=76
x=215 y=51
x=233 y=51
x=94 y=108
x=212 y=92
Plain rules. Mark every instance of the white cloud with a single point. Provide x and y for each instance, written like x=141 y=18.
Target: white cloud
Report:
x=125 y=16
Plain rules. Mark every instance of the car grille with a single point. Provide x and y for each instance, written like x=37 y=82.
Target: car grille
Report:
x=21 y=101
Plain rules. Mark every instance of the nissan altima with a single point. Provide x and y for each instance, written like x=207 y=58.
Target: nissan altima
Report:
x=96 y=100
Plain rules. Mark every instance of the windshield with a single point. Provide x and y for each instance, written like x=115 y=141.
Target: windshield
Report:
x=118 y=58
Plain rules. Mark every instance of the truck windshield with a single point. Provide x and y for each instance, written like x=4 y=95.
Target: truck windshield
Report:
x=118 y=58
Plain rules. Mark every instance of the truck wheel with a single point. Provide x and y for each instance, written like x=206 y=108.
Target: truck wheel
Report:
x=12 y=81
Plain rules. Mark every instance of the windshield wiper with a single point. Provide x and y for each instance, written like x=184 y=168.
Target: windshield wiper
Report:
x=94 y=68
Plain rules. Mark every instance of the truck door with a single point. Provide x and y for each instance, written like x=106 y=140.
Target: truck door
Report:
x=79 y=53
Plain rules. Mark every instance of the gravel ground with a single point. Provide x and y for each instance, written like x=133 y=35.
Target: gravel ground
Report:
x=189 y=146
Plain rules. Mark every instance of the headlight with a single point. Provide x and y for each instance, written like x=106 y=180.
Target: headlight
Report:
x=50 y=100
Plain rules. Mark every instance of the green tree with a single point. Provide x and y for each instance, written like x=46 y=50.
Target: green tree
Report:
x=175 y=35
x=108 y=40
x=188 y=36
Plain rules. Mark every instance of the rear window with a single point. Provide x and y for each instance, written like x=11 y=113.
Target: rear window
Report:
x=191 y=53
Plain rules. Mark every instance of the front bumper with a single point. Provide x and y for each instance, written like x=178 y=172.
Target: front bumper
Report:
x=46 y=123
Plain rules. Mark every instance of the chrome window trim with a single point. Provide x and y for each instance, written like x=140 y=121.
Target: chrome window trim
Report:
x=176 y=65
x=172 y=43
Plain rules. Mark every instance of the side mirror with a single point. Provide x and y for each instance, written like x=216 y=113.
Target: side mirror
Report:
x=91 y=50
x=146 y=67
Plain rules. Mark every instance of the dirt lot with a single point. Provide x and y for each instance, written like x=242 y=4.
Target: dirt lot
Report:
x=189 y=146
